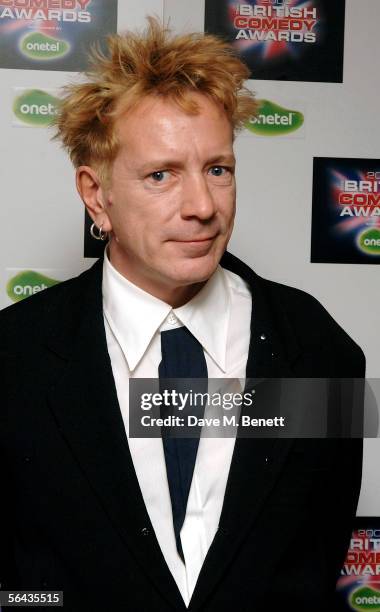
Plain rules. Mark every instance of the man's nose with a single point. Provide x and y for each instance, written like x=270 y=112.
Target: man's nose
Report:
x=197 y=198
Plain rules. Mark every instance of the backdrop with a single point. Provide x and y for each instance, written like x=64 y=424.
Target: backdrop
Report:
x=318 y=118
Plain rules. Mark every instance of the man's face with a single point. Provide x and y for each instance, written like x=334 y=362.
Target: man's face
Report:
x=171 y=200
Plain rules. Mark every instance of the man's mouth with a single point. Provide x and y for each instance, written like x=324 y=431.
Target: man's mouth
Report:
x=193 y=240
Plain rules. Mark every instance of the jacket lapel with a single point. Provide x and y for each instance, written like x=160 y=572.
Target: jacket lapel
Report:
x=256 y=463
x=85 y=405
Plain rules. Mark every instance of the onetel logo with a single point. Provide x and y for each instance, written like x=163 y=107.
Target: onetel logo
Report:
x=28 y=283
x=274 y=120
x=369 y=241
x=35 y=107
x=41 y=47
x=365 y=598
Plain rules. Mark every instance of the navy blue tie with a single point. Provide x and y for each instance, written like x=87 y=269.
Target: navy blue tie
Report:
x=182 y=357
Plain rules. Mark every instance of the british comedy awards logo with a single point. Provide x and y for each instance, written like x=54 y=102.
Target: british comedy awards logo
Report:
x=53 y=34
x=346 y=211
x=283 y=39
x=358 y=587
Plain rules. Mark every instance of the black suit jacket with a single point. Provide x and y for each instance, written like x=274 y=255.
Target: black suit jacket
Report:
x=75 y=517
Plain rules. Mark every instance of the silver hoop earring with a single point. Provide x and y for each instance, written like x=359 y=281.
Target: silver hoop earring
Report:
x=98 y=234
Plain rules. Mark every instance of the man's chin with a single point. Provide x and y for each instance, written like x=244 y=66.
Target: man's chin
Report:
x=195 y=270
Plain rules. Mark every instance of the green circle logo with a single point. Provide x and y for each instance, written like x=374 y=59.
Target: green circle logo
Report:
x=41 y=47
x=35 y=107
x=365 y=598
x=274 y=120
x=26 y=283
x=369 y=241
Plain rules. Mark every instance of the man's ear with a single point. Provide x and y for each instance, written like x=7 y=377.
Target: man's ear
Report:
x=94 y=199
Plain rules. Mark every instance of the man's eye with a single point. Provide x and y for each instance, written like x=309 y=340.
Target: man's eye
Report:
x=218 y=171
x=159 y=176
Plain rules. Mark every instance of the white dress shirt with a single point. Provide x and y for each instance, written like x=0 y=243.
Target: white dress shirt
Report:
x=219 y=317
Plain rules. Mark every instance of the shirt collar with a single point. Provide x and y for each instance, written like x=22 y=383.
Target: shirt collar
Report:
x=207 y=316
x=135 y=315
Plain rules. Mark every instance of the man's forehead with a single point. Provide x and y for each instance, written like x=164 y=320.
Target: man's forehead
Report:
x=157 y=115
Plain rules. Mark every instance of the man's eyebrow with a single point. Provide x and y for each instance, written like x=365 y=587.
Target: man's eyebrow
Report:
x=222 y=159
x=162 y=164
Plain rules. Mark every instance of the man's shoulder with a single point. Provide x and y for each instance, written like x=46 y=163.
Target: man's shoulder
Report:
x=299 y=314
x=315 y=329
x=33 y=316
x=297 y=303
x=279 y=297
x=283 y=299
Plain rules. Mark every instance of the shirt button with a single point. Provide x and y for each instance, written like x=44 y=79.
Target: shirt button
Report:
x=263 y=337
x=145 y=531
x=172 y=319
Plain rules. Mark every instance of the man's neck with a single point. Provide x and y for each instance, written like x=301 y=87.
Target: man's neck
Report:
x=172 y=295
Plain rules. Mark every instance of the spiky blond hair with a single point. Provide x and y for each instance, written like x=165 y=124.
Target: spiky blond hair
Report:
x=136 y=65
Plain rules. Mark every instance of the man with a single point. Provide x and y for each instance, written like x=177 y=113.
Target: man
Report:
x=92 y=511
